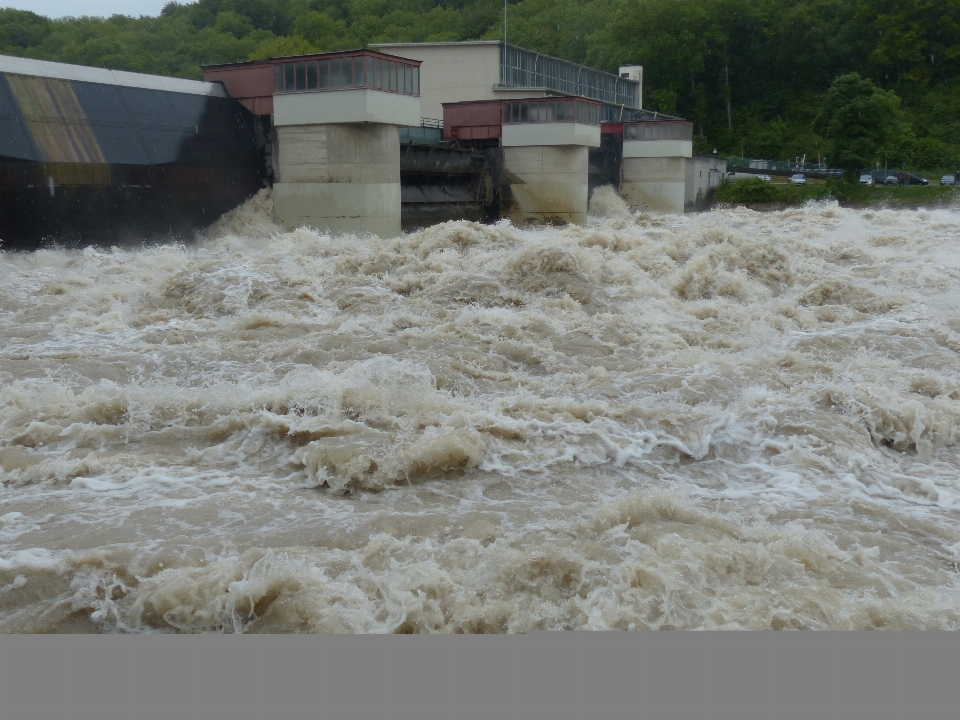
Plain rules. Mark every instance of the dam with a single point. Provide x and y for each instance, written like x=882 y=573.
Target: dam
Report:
x=95 y=156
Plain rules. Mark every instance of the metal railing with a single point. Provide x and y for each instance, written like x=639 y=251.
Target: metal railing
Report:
x=783 y=166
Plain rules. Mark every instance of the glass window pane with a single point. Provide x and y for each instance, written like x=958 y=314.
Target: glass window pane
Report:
x=551 y=112
x=377 y=73
x=335 y=74
x=347 y=72
x=416 y=80
x=393 y=76
x=301 y=75
x=278 y=78
x=311 y=76
x=569 y=105
x=408 y=79
x=368 y=72
x=324 y=74
x=288 y=82
x=524 y=112
x=515 y=113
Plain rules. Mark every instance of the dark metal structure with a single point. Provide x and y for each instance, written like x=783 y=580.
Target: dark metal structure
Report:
x=92 y=156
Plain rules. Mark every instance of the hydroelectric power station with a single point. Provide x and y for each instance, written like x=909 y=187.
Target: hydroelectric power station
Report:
x=376 y=140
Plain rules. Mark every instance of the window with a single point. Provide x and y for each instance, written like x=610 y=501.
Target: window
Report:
x=323 y=71
x=335 y=74
x=362 y=71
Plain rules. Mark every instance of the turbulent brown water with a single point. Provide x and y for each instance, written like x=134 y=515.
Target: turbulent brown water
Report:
x=725 y=420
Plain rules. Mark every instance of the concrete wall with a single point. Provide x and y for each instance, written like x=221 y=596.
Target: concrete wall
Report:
x=339 y=178
x=452 y=72
x=654 y=184
x=561 y=133
x=703 y=172
x=657 y=148
x=346 y=106
x=547 y=183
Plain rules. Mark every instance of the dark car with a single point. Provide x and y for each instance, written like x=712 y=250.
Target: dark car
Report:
x=908 y=178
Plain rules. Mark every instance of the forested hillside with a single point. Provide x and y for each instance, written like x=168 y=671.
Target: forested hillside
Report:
x=751 y=74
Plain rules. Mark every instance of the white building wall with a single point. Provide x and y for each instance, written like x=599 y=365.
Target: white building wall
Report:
x=566 y=133
x=346 y=106
x=452 y=72
x=657 y=148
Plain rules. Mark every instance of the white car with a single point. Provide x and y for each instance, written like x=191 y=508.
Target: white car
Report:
x=764 y=178
x=866 y=179
x=948 y=180
x=798 y=179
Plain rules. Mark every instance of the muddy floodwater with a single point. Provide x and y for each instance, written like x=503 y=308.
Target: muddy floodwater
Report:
x=724 y=420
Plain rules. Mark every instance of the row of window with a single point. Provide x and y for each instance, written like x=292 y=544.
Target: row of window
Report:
x=529 y=111
x=658 y=131
x=521 y=68
x=357 y=71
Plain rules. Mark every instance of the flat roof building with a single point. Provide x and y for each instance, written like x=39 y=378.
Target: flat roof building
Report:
x=488 y=70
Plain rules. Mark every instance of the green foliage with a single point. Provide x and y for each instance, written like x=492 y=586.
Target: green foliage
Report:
x=841 y=190
x=861 y=122
x=751 y=74
x=750 y=191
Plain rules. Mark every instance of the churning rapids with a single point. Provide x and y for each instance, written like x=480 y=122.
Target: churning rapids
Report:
x=724 y=420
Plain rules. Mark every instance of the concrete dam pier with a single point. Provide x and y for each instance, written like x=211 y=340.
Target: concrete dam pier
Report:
x=335 y=121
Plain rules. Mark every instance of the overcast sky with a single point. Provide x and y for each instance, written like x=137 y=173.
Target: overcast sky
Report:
x=102 y=8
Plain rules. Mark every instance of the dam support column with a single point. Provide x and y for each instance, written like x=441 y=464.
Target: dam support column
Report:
x=546 y=158
x=339 y=178
x=653 y=169
x=338 y=145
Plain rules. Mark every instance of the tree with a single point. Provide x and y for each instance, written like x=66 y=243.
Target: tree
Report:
x=861 y=121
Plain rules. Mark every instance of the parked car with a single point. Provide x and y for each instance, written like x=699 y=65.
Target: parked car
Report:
x=798 y=179
x=948 y=180
x=911 y=179
x=764 y=178
x=866 y=179
x=891 y=180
